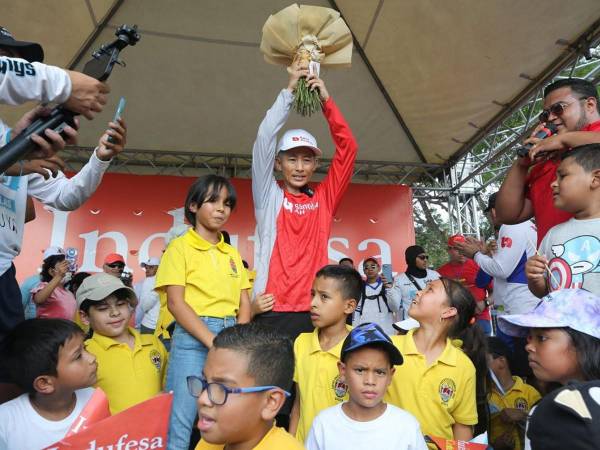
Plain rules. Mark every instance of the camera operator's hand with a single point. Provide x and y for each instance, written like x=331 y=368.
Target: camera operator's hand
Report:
x=88 y=95
x=45 y=149
x=118 y=132
x=296 y=72
x=45 y=167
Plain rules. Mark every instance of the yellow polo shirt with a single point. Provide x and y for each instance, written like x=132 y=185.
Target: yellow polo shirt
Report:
x=521 y=396
x=128 y=376
x=439 y=395
x=318 y=379
x=276 y=439
x=213 y=275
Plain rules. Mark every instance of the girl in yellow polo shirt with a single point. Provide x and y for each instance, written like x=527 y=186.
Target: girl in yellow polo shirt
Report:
x=206 y=288
x=437 y=382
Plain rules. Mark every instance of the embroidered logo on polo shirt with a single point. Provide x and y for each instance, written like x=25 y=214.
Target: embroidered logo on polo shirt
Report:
x=156 y=359
x=521 y=403
x=340 y=388
x=234 y=270
x=447 y=389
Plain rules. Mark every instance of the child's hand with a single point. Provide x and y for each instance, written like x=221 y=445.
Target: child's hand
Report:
x=118 y=132
x=61 y=269
x=296 y=72
x=318 y=83
x=536 y=267
x=262 y=303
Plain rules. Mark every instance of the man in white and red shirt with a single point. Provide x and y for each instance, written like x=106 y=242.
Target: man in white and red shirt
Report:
x=294 y=220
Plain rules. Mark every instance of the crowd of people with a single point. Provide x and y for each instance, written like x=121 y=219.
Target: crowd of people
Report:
x=309 y=354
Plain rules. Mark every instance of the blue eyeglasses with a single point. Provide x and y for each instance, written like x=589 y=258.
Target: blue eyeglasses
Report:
x=217 y=392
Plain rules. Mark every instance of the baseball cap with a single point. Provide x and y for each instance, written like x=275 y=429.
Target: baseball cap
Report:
x=368 y=334
x=298 y=138
x=569 y=418
x=453 y=240
x=491 y=202
x=112 y=258
x=31 y=51
x=98 y=286
x=406 y=324
x=577 y=309
x=53 y=251
x=154 y=261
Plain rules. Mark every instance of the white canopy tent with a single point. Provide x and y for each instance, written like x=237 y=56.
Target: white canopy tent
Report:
x=428 y=78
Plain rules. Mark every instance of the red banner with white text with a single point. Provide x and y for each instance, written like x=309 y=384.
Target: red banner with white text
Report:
x=130 y=214
x=141 y=427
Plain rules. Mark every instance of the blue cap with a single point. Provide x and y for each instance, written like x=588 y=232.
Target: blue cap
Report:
x=369 y=334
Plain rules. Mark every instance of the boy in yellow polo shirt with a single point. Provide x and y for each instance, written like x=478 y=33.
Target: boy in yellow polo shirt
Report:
x=243 y=385
x=510 y=399
x=131 y=365
x=335 y=293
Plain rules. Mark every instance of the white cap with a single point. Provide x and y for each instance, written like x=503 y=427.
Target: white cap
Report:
x=53 y=251
x=407 y=324
x=298 y=138
x=154 y=261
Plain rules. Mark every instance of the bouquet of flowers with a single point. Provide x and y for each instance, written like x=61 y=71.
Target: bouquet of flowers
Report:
x=310 y=36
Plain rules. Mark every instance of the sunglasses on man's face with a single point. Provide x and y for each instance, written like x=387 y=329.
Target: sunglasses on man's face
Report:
x=116 y=266
x=556 y=109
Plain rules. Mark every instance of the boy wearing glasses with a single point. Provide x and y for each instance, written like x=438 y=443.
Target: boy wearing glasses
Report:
x=572 y=105
x=244 y=384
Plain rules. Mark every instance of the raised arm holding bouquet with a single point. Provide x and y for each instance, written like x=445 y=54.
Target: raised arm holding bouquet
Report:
x=308 y=37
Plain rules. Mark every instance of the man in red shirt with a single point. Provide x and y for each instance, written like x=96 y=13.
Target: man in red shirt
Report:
x=464 y=270
x=572 y=105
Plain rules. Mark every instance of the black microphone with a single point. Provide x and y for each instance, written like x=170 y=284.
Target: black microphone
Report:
x=548 y=130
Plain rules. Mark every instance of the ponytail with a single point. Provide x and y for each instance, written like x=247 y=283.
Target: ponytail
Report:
x=474 y=344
